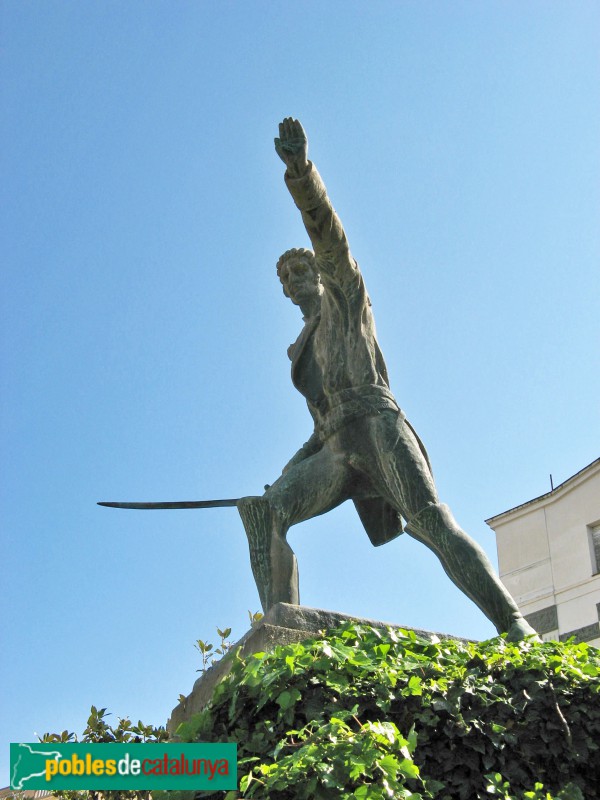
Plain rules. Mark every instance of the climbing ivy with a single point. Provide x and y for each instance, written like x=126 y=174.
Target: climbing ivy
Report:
x=366 y=713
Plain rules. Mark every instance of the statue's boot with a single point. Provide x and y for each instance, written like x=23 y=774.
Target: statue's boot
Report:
x=469 y=568
x=273 y=562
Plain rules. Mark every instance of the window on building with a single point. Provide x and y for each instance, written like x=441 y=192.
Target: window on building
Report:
x=595 y=547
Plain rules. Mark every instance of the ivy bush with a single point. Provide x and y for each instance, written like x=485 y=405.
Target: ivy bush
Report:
x=366 y=713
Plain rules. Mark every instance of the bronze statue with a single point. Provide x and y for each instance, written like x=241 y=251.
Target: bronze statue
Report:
x=363 y=448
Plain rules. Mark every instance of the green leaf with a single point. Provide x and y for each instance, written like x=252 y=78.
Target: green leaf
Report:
x=390 y=766
x=288 y=698
x=409 y=768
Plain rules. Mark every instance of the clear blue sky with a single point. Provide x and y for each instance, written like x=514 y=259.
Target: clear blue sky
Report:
x=144 y=331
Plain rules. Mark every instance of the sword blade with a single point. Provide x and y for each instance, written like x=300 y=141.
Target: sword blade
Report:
x=170 y=505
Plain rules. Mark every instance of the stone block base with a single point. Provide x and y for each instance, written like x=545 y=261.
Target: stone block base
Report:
x=282 y=624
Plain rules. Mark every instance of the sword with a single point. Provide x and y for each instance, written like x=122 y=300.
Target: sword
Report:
x=176 y=504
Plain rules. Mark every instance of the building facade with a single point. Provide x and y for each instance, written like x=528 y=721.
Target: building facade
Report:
x=549 y=557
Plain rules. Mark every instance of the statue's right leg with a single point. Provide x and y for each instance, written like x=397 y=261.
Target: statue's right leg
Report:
x=307 y=489
x=273 y=562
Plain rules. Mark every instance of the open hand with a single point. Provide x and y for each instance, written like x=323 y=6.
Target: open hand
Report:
x=292 y=147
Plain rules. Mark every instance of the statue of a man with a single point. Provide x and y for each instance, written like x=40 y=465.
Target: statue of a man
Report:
x=363 y=448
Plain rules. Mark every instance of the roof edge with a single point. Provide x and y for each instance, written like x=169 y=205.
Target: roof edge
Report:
x=545 y=496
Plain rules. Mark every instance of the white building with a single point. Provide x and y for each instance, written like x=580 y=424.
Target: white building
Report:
x=549 y=557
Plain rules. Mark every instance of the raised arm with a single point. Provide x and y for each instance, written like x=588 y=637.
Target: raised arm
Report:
x=322 y=224
x=292 y=147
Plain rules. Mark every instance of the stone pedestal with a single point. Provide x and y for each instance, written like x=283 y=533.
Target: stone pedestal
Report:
x=282 y=625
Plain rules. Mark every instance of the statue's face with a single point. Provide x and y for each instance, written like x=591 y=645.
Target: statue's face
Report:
x=300 y=281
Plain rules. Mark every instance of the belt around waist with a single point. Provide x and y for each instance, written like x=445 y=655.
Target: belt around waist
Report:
x=351 y=404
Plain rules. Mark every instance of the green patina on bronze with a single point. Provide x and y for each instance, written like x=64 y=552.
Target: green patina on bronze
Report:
x=363 y=448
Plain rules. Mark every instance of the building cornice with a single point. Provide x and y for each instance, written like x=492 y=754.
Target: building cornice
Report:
x=546 y=499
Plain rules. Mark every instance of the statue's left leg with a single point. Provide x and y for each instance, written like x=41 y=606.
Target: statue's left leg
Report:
x=387 y=449
x=467 y=565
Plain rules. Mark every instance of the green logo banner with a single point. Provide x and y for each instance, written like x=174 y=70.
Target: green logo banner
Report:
x=137 y=767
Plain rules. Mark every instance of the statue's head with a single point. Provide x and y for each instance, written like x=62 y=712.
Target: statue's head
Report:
x=299 y=277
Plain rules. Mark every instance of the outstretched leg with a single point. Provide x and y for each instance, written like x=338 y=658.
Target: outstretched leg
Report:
x=306 y=490
x=396 y=464
x=467 y=565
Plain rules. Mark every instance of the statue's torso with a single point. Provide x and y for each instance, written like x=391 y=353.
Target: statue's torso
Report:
x=338 y=351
